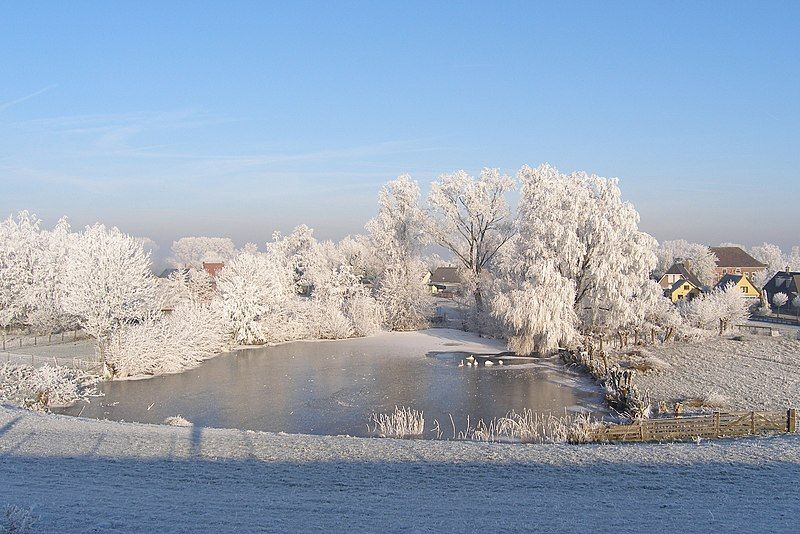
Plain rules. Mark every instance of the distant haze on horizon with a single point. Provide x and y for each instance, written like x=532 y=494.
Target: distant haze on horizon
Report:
x=237 y=120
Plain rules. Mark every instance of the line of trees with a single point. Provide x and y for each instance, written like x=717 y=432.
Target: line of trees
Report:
x=569 y=262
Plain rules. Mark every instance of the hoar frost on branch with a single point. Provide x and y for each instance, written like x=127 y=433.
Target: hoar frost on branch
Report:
x=471 y=218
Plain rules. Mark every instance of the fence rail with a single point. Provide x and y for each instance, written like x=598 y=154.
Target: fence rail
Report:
x=716 y=425
x=775 y=320
x=758 y=330
x=38 y=361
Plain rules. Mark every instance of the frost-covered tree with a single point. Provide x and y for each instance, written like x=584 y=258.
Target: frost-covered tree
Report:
x=719 y=309
x=696 y=257
x=538 y=308
x=471 y=218
x=19 y=243
x=107 y=282
x=578 y=241
x=46 y=294
x=397 y=234
x=653 y=312
x=773 y=257
x=193 y=251
x=255 y=289
x=779 y=300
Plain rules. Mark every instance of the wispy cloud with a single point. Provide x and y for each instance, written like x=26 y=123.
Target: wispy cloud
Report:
x=5 y=105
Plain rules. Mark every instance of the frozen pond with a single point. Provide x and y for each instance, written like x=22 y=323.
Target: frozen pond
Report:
x=332 y=387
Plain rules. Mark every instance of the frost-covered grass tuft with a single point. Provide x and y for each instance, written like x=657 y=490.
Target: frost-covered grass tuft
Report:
x=532 y=427
x=402 y=423
x=177 y=420
x=44 y=387
x=647 y=363
x=712 y=399
x=18 y=520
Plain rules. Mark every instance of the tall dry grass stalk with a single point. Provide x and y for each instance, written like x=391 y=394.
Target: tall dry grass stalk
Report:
x=531 y=427
x=401 y=423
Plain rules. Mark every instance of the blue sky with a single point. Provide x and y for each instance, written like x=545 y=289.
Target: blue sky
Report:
x=186 y=118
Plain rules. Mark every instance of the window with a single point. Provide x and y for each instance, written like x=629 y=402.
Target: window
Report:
x=744 y=289
x=738 y=270
x=724 y=272
x=680 y=297
x=686 y=287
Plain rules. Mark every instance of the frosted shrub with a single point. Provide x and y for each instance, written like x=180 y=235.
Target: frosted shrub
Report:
x=366 y=315
x=328 y=320
x=169 y=343
x=44 y=387
x=401 y=423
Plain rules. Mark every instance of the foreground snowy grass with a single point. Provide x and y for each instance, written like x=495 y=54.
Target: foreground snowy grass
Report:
x=85 y=475
x=751 y=373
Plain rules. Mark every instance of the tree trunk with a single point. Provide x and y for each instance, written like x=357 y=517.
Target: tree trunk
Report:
x=478 y=300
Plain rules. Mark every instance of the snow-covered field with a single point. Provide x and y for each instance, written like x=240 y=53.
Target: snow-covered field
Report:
x=752 y=373
x=83 y=475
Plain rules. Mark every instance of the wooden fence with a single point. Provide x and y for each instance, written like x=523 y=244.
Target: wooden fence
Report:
x=716 y=425
x=758 y=330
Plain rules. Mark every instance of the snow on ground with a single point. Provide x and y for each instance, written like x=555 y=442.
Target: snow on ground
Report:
x=753 y=373
x=82 y=475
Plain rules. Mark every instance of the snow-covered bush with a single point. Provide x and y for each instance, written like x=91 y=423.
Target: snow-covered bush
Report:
x=328 y=319
x=405 y=298
x=365 y=314
x=39 y=388
x=169 y=343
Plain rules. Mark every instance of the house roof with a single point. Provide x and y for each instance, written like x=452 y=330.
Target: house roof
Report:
x=677 y=285
x=166 y=273
x=445 y=275
x=783 y=282
x=686 y=274
x=729 y=279
x=213 y=268
x=735 y=257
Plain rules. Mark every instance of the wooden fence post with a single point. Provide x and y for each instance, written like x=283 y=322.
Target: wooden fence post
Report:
x=791 y=422
x=752 y=422
x=716 y=424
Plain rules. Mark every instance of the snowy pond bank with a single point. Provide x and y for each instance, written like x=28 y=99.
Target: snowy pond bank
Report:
x=82 y=475
x=333 y=387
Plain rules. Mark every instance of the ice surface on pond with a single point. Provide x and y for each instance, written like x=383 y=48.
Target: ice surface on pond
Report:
x=332 y=387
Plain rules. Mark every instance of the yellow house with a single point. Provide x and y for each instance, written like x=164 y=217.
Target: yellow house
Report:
x=682 y=290
x=742 y=283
